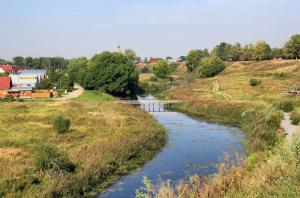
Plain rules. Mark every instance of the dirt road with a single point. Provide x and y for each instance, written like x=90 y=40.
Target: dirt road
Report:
x=78 y=90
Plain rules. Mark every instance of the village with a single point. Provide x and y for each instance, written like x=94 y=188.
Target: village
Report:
x=20 y=82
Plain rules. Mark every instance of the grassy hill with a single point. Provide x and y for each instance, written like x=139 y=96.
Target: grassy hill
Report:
x=272 y=168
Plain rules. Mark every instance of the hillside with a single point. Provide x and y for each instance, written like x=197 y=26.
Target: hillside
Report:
x=277 y=77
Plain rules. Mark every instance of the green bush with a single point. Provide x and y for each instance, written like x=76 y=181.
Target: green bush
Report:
x=295 y=117
x=7 y=99
x=286 y=105
x=61 y=124
x=211 y=67
x=153 y=79
x=49 y=157
x=254 y=82
x=162 y=69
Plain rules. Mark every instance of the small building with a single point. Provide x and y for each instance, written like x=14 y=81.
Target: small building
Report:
x=154 y=60
x=11 y=69
x=24 y=80
x=5 y=85
x=21 y=92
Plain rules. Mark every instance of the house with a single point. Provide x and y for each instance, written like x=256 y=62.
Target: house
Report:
x=21 y=92
x=5 y=85
x=22 y=80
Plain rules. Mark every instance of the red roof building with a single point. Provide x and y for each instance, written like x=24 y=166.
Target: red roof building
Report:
x=12 y=69
x=5 y=83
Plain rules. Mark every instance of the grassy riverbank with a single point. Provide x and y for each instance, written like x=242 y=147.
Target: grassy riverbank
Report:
x=273 y=167
x=106 y=140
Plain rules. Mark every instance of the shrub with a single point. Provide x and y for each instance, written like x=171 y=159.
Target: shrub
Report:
x=49 y=157
x=286 y=105
x=145 y=70
x=153 y=79
x=162 y=69
x=295 y=117
x=254 y=82
x=61 y=124
x=7 y=99
x=211 y=67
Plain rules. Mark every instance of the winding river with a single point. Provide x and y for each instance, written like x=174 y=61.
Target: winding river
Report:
x=194 y=147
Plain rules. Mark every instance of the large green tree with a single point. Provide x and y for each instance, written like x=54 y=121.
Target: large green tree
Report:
x=77 y=69
x=222 y=51
x=247 y=52
x=292 y=47
x=194 y=58
x=262 y=51
x=113 y=73
x=210 y=67
x=129 y=53
x=162 y=69
x=19 y=60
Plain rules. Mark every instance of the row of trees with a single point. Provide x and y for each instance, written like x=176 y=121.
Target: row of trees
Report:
x=260 y=51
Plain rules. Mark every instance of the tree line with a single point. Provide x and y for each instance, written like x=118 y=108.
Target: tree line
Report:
x=249 y=52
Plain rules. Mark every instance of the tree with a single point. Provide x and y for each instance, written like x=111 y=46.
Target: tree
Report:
x=222 y=51
x=247 y=52
x=236 y=52
x=130 y=54
x=113 y=73
x=19 y=61
x=29 y=62
x=262 y=51
x=162 y=69
x=77 y=68
x=210 y=67
x=194 y=57
x=292 y=47
x=277 y=53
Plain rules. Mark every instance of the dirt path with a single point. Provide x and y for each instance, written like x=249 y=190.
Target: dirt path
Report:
x=78 y=90
x=289 y=129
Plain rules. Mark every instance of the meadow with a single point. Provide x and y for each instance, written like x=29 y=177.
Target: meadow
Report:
x=105 y=141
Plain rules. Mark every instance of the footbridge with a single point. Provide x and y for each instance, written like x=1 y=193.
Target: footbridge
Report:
x=152 y=105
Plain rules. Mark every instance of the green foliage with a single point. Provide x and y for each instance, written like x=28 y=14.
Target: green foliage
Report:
x=146 y=190
x=19 y=60
x=162 y=69
x=292 y=47
x=77 y=68
x=4 y=74
x=194 y=58
x=210 y=67
x=145 y=70
x=7 y=99
x=61 y=124
x=286 y=105
x=113 y=73
x=254 y=82
x=94 y=95
x=49 y=157
x=153 y=79
x=295 y=117
x=247 y=52
x=173 y=67
x=227 y=52
x=130 y=54
x=262 y=51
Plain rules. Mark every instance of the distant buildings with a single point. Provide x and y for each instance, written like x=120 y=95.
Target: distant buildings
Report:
x=20 y=82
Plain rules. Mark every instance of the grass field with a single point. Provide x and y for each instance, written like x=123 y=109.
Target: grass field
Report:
x=93 y=96
x=106 y=140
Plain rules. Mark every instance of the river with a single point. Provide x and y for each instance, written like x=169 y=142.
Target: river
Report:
x=194 y=146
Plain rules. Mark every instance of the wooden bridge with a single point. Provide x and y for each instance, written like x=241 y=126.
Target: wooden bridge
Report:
x=152 y=105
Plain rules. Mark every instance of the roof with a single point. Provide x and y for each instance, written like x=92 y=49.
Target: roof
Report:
x=6 y=67
x=5 y=82
x=24 y=79
x=38 y=71
x=27 y=88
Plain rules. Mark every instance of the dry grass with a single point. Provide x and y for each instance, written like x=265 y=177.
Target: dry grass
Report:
x=106 y=140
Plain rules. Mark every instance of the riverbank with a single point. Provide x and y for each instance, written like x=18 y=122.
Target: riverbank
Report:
x=272 y=167
x=105 y=142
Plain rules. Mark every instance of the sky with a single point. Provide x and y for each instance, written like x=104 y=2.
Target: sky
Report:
x=152 y=28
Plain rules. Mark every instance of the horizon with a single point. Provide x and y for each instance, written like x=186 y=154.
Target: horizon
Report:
x=77 y=28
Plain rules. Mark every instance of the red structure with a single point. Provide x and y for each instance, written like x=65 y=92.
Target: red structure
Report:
x=5 y=85
x=12 y=69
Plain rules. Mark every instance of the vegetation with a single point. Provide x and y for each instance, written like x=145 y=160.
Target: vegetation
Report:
x=254 y=82
x=61 y=124
x=272 y=167
x=107 y=140
x=112 y=73
x=162 y=70
x=56 y=79
x=295 y=117
x=194 y=58
x=210 y=67
x=94 y=95
x=48 y=158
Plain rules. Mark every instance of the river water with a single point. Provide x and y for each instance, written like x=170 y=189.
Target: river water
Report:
x=194 y=146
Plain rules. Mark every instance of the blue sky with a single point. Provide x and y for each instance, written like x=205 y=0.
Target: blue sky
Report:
x=157 y=28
